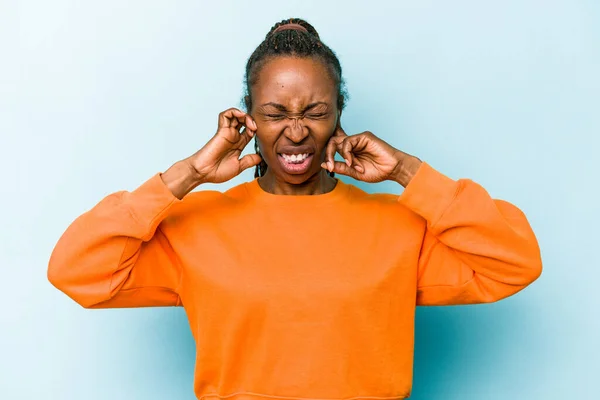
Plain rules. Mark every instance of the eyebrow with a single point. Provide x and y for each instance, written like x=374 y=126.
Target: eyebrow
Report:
x=281 y=107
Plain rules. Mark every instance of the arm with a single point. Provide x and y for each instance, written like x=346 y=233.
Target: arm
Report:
x=116 y=255
x=475 y=249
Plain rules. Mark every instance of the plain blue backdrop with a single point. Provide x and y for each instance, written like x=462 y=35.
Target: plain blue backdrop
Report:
x=96 y=97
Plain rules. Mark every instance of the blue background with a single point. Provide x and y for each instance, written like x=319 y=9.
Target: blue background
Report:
x=96 y=97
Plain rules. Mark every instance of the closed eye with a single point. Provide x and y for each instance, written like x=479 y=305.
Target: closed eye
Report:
x=309 y=115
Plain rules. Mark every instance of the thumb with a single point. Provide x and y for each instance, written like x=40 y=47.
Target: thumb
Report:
x=249 y=161
x=342 y=168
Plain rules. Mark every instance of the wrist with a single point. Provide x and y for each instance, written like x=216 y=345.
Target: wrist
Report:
x=181 y=178
x=406 y=169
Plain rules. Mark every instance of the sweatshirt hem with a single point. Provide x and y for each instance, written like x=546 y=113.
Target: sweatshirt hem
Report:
x=252 y=395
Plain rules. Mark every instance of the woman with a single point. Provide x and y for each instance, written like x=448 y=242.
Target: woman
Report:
x=296 y=284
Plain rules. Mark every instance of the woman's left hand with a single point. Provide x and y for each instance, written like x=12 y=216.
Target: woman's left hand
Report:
x=369 y=159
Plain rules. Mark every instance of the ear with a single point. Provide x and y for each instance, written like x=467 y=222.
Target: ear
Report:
x=340 y=103
x=338 y=126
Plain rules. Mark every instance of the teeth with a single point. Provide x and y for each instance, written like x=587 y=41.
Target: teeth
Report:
x=295 y=157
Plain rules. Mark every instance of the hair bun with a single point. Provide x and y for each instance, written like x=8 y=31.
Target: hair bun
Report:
x=296 y=24
x=292 y=26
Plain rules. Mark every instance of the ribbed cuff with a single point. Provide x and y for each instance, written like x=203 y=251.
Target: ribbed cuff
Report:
x=429 y=193
x=149 y=203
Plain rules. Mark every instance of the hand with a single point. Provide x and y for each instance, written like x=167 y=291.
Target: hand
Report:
x=368 y=158
x=218 y=161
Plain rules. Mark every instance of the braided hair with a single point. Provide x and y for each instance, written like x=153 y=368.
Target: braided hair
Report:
x=297 y=43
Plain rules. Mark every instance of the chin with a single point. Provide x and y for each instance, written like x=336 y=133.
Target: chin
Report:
x=296 y=179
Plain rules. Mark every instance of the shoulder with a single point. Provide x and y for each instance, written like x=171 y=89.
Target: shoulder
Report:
x=366 y=198
x=379 y=203
x=210 y=201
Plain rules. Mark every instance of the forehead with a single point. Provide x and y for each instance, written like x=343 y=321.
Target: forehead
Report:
x=290 y=80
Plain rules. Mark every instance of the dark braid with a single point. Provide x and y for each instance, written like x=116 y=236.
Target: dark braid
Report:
x=290 y=42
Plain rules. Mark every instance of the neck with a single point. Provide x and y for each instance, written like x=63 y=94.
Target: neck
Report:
x=319 y=183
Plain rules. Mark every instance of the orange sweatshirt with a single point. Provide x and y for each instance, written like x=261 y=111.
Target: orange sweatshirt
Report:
x=299 y=297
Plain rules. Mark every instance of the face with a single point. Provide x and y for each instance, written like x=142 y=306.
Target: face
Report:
x=294 y=104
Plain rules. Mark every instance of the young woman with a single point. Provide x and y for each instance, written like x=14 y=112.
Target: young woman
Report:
x=296 y=284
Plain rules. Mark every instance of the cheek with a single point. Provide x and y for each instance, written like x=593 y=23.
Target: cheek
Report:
x=322 y=131
x=269 y=132
x=265 y=137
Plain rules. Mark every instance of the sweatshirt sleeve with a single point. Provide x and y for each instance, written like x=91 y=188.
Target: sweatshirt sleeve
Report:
x=115 y=255
x=475 y=249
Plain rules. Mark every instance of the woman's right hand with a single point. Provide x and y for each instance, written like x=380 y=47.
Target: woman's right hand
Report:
x=218 y=161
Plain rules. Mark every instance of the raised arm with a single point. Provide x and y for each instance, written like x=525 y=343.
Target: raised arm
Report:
x=475 y=249
x=115 y=255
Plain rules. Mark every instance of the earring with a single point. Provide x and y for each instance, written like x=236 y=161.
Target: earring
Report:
x=261 y=168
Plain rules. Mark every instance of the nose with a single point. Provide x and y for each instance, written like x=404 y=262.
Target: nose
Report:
x=295 y=130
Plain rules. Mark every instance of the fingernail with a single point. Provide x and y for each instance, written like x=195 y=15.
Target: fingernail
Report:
x=347 y=162
x=329 y=166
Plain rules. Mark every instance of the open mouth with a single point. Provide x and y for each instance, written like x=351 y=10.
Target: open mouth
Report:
x=295 y=163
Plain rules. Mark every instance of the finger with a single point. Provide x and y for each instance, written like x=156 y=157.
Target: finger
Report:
x=330 y=150
x=345 y=150
x=243 y=121
x=343 y=169
x=249 y=161
x=358 y=166
x=234 y=123
x=232 y=118
x=251 y=123
x=246 y=136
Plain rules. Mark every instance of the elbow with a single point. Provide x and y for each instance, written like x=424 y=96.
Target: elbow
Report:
x=58 y=275
x=59 y=272
x=534 y=269
x=532 y=261
x=526 y=270
x=523 y=250
x=520 y=273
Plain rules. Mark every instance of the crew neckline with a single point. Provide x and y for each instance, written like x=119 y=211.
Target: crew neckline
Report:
x=258 y=193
